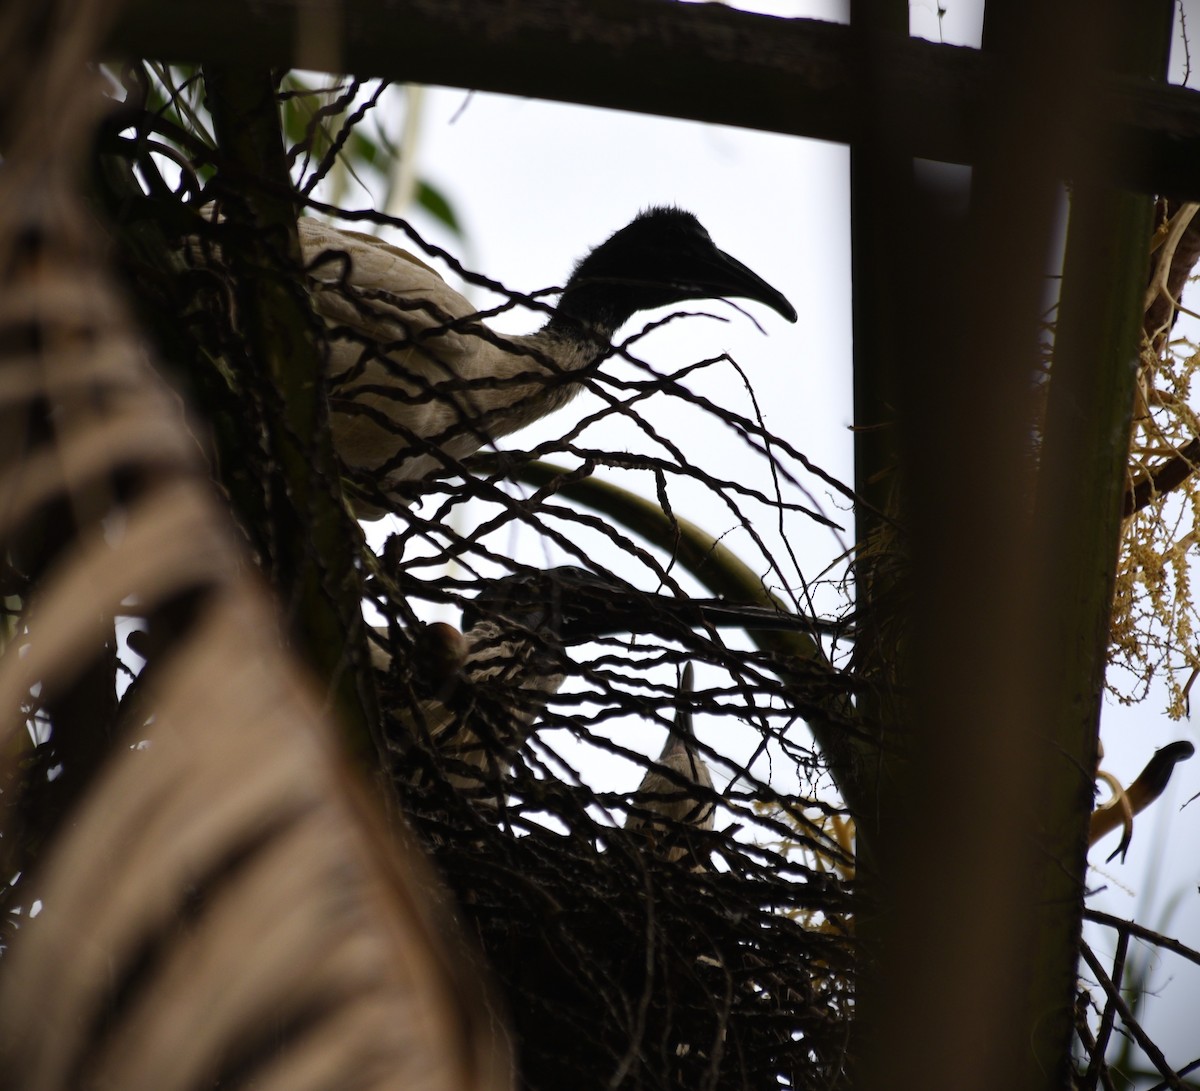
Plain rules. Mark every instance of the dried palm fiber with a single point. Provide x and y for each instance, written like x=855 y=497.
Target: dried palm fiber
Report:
x=219 y=905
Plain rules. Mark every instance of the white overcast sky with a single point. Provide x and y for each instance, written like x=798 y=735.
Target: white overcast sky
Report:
x=537 y=184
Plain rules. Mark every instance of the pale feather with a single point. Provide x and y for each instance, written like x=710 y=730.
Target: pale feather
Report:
x=665 y=807
x=406 y=348
x=510 y=673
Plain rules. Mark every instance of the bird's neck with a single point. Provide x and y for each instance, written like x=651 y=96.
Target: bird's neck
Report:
x=568 y=349
x=593 y=310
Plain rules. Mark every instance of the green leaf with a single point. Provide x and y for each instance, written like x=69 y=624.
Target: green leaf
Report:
x=435 y=203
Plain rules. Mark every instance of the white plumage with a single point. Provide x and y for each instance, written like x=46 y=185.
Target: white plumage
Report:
x=416 y=383
x=676 y=793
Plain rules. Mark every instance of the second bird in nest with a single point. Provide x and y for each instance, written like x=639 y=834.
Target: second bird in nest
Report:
x=418 y=382
x=494 y=678
x=676 y=794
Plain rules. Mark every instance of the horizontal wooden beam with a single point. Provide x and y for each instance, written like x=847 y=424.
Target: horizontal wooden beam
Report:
x=705 y=62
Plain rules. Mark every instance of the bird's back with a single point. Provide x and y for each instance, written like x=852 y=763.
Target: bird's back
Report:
x=416 y=381
x=393 y=336
x=675 y=794
x=668 y=798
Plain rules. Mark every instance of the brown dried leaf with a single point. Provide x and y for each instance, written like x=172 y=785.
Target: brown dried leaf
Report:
x=220 y=904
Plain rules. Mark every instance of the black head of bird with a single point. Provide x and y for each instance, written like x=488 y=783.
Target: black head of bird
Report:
x=664 y=256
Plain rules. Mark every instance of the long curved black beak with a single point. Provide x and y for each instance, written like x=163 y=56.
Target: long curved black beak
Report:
x=682 y=727
x=720 y=274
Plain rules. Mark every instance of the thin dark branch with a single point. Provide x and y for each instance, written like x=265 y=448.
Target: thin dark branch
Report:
x=1143 y=1040
x=1097 y=1066
x=1089 y=1043
x=1187 y=1069
x=1140 y=931
x=1164 y=478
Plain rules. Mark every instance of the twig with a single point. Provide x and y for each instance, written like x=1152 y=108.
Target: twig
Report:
x=1089 y=1043
x=1142 y=932
x=1135 y=1028
x=1165 y=478
x=1184 y=1071
x=1096 y=1066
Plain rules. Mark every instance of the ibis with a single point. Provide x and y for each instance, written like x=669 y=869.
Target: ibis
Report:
x=676 y=794
x=488 y=684
x=419 y=382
